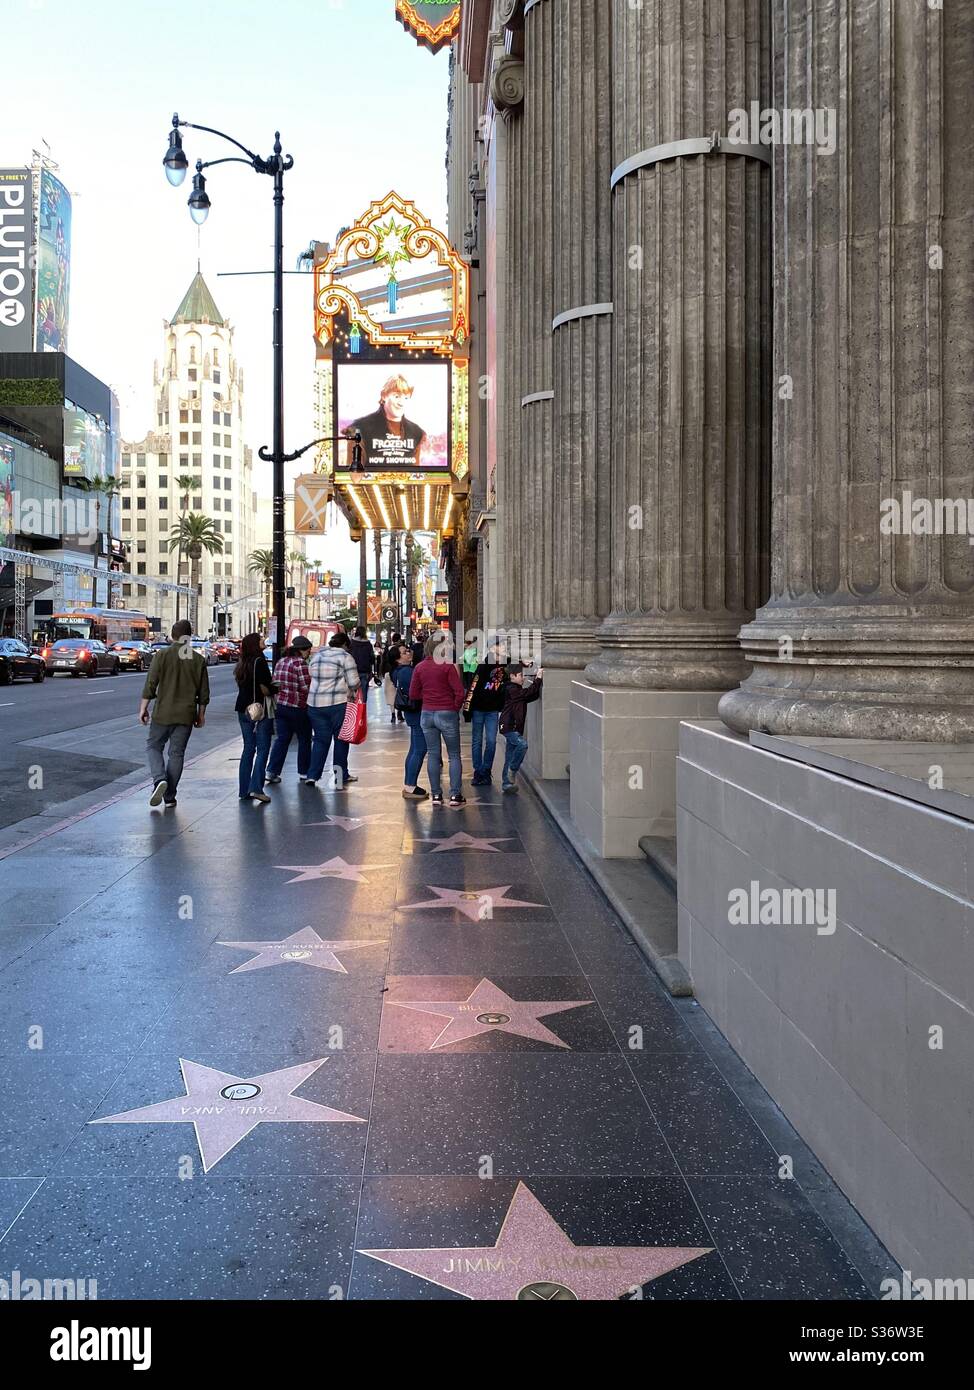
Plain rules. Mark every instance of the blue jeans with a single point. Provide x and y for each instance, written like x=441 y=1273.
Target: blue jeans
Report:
x=291 y=722
x=484 y=740
x=417 y=749
x=445 y=724
x=517 y=746
x=253 y=759
x=326 y=721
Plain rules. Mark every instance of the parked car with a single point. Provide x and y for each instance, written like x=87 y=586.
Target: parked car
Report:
x=18 y=662
x=134 y=656
x=81 y=656
x=208 y=651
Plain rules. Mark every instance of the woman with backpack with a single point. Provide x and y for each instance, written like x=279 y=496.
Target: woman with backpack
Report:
x=255 y=711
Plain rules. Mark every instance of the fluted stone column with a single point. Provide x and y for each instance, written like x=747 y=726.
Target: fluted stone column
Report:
x=581 y=329
x=536 y=295
x=690 y=412
x=870 y=634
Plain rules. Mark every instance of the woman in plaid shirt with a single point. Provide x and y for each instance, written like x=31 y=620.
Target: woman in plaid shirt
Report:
x=334 y=681
x=293 y=681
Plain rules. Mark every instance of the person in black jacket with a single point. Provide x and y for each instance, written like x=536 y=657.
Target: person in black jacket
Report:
x=363 y=654
x=255 y=685
x=516 y=700
x=485 y=700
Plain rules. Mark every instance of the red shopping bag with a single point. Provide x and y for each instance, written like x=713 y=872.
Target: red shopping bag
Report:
x=355 y=725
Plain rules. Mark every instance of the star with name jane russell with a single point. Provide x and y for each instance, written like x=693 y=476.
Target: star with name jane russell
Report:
x=534 y=1260
x=223 y=1108
x=478 y=904
x=489 y=1010
x=304 y=947
x=331 y=868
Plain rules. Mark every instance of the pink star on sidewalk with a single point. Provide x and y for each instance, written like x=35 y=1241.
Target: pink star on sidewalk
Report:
x=304 y=947
x=477 y=903
x=346 y=822
x=331 y=868
x=224 y=1108
x=534 y=1260
x=461 y=840
x=489 y=1010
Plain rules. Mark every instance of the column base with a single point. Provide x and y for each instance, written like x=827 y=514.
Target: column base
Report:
x=623 y=747
x=856 y=673
x=654 y=652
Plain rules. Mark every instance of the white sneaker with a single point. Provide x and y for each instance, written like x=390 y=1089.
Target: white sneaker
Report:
x=158 y=792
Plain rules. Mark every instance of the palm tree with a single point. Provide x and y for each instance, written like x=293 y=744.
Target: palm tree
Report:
x=192 y=535
x=108 y=488
x=186 y=483
x=299 y=561
x=262 y=562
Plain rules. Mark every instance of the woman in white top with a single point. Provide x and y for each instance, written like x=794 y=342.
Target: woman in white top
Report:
x=334 y=681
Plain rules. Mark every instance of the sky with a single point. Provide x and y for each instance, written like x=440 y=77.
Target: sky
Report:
x=360 y=106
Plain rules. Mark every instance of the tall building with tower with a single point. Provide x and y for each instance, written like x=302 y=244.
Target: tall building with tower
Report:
x=199 y=435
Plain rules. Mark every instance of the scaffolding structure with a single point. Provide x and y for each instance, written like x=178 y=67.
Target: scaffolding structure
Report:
x=24 y=559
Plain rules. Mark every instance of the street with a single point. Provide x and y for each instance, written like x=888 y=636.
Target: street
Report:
x=67 y=737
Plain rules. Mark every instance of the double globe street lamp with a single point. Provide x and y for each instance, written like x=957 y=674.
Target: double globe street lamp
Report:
x=276 y=165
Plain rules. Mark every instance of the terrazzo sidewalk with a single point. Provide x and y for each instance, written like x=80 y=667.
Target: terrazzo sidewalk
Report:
x=345 y=1046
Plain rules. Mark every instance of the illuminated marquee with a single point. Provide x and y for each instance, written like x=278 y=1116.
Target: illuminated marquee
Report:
x=392 y=327
x=434 y=23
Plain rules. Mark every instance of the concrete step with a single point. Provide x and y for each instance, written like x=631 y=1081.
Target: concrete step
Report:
x=661 y=853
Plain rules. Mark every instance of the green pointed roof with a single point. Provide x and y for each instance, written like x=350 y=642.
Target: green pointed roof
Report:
x=198 y=305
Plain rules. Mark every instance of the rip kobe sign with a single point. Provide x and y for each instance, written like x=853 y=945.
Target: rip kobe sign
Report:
x=16 y=261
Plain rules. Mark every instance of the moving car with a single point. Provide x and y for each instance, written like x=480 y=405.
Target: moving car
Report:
x=206 y=649
x=134 y=656
x=76 y=656
x=226 y=650
x=18 y=662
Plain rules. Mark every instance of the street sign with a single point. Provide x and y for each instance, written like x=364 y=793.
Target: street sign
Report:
x=389 y=614
x=311 y=495
x=386 y=586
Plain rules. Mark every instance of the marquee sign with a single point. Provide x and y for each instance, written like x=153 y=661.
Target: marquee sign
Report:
x=433 y=23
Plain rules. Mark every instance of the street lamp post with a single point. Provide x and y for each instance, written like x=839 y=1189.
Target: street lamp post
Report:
x=276 y=165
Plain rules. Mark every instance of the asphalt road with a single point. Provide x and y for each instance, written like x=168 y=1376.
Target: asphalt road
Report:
x=73 y=735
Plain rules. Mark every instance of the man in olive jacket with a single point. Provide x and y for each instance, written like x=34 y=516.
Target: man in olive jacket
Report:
x=178 y=682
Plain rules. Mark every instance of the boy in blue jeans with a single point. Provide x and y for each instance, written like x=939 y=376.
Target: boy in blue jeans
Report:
x=513 y=716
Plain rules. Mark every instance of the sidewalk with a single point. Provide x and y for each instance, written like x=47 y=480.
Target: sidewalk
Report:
x=461 y=1054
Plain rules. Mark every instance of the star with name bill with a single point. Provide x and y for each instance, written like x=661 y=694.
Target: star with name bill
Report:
x=489 y=1010
x=331 y=868
x=533 y=1260
x=478 y=904
x=304 y=947
x=224 y=1108
x=461 y=840
x=346 y=822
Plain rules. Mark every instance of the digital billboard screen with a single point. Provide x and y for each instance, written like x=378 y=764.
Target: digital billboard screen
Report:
x=402 y=411
x=53 y=264
x=16 y=258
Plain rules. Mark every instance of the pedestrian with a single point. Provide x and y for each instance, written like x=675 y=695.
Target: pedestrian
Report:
x=419 y=648
x=412 y=714
x=516 y=700
x=178 y=683
x=255 y=711
x=483 y=705
x=335 y=680
x=469 y=661
x=363 y=654
x=292 y=719
x=387 y=671
x=436 y=686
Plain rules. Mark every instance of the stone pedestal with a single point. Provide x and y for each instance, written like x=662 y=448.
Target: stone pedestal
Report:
x=547 y=726
x=623 y=760
x=870 y=629
x=839 y=1025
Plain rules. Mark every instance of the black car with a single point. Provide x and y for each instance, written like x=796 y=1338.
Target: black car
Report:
x=81 y=656
x=18 y=662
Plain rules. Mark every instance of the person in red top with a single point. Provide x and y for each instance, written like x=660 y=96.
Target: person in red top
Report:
x=437 y=686
x=292 y=718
